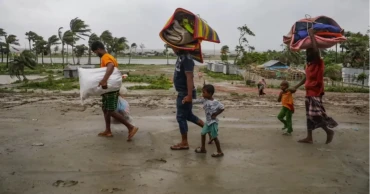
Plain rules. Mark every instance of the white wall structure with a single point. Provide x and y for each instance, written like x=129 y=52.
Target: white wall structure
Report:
x=350 y=75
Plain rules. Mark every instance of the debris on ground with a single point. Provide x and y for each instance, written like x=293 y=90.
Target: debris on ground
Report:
x=157 y=160
x=112 y=190
x=38 y=144
x=67 y=183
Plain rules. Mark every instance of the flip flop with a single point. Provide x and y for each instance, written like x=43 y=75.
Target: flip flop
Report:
x=103 y=134
x=179 y=147
x=217 y=155
x=200 y=151
x=132 y=134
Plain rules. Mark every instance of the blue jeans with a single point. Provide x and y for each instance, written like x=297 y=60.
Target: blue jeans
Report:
x=184 y=112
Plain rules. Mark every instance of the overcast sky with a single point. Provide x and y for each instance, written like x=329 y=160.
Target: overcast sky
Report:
x=141 y=20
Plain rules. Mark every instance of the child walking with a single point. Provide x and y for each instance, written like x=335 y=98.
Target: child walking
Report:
x=212 y=109
x=286 y=99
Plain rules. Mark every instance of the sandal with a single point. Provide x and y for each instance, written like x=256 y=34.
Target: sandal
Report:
x=200 y=151
x=105 y=134
x=179 y=147
x=217 y=155
x=132 y=133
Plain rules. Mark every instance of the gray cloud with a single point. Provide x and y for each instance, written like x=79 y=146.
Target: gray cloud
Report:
x=141 y=20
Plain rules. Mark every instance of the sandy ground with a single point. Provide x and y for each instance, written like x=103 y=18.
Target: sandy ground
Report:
x=258 y=159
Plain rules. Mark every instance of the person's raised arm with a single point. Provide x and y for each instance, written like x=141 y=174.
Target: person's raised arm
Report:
x=311 y=33
x=108 y=73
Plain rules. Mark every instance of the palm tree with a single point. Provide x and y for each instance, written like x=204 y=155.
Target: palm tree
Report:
x=80 y=51
x=10 y=40
x=78 y=29
x=224 y=53
x=142 y=46
x=30 y=37
x=118 y=44
x=93 y=38
x=25 y=59
x=53 y=40
x=2 y=44
x=60 y=35
x=106 y=38
x=56 y=49
x=41 y=47
x=133 y=45
x=68 y=40
x=166 y=46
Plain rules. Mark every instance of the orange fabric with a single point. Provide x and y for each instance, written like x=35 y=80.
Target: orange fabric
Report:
x=107 y=58
x=315 y=78
x=287 y=100
x=329 y=34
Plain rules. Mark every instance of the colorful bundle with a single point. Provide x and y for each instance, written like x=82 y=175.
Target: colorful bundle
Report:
x=328 y=33
x=185 y=31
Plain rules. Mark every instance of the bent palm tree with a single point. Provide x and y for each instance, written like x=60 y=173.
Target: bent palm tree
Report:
x=107 y=39
x=10 y=40
x=118 y=44
x=133 y=45
x=60 y=35
x=80 y=51
x=78 y=29
x=30 y=37
x=25 y=59
x=93 y=38
x=2 y=44
x=68 y=40
x=53 y=40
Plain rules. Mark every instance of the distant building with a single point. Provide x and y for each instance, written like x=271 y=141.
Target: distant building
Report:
x=349 y=75
x=274 y=64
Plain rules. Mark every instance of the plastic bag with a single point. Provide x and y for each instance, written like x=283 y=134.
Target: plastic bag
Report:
x=89 y=82
x=124 y=109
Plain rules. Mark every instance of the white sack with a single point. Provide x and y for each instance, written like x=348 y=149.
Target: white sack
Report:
x=90 y=78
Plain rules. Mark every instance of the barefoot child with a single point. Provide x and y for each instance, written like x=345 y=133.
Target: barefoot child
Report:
x=212 y=109
x=286 y=99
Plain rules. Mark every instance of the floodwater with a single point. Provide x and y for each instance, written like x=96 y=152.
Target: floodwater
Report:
x=96 y=60
x=6 y=79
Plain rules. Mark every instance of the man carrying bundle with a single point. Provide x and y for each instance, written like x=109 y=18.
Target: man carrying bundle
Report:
x=314 y=84
x=110 y=99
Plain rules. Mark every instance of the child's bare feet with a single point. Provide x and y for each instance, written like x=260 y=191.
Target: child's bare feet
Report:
x=105 y=134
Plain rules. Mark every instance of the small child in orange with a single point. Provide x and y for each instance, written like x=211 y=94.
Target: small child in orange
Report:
x=286 y=99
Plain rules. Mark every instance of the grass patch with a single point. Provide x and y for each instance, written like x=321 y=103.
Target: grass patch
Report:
x=346 y=89
x=52 y=84
x=156 y=82
x=221 y=75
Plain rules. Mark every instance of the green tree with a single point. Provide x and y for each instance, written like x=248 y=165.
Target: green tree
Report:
x=225 y=53
x=40 y=46
x=2 y=44
x=30 y=37
x=357 y=49
x=107 y=39
x=80 y=51
x=53 y=40
x=69 y=40
x=56 y=49
x=93 y=38
x=288 y=56
x=60 y=35
x=118 y=44
x=362 y=77
x=243 y=41
x=9 y=41
x=25 y=59
x=334 y=72
x=79 y=29
x=133 y=46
